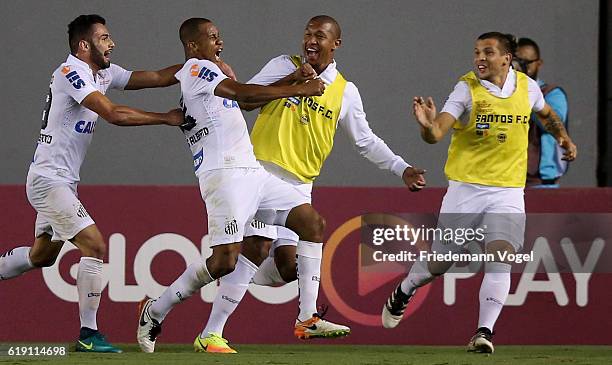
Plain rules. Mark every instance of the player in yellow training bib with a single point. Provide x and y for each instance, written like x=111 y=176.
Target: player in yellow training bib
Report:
x=292 y=137
x=489 y=112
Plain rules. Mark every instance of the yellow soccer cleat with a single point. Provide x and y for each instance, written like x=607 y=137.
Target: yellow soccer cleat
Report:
x=213 y=343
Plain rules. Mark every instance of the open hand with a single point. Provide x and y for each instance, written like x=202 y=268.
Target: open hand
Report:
x=424 y=111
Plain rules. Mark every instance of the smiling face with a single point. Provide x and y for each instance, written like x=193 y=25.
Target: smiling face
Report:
x=490 y=60
x=319 y=43
x=207 y=44
x=100 y=46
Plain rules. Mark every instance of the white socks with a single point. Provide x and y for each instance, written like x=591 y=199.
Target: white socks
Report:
x=418 y=276
x=309 y=275
x=195 y=277
x=493 y=293
x=15 y=262
x=89 y=286
x=267 y=274
x=229 y=294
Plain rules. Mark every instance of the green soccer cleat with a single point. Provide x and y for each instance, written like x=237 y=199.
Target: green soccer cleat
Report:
x=96 y=343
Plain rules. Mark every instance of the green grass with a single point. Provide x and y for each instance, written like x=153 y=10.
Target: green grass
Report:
x=343 y=354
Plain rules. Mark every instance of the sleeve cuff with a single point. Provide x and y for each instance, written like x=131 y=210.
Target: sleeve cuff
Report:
x=399 y=167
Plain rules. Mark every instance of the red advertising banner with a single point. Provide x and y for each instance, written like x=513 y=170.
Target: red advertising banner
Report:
x=153 y=232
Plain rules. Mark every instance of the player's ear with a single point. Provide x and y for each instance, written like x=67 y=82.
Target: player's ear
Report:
x=508 y=58
x=337 y=43
x=83 y=45
x=192 y=46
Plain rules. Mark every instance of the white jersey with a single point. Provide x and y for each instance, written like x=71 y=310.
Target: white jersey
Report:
x=67 y=127
x=214 y=128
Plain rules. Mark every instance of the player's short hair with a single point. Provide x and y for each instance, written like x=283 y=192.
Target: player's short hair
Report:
x=190 y=29
x=80 y=28
x=507 y=42
x=527 y=42
x=328 y=19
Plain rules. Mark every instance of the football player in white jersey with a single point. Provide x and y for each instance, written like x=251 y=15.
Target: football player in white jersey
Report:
x=75 y=100
x=234 y=186
x=274 y=263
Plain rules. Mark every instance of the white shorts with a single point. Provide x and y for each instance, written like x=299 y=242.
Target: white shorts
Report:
x=281 y=236
x=499 y=211
x=234 y=196
x=60 y=213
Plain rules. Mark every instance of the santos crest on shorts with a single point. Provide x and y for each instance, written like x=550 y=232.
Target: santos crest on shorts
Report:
x=67 y=127
x=214 y=127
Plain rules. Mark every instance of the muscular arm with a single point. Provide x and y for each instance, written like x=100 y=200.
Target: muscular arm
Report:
x=301 y=74
x=553 y=125
x=149 y=79
x=285 y=81
x=438 y=129
x=247 y=93
x=125 y=116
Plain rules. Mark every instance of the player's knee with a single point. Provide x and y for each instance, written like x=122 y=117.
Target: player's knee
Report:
x=42 y=261
x=288 y=271
x=225 y=266
x=315 y=228
x=222 y=263
x=91 y=243
x=96 y=249
x=257 y=251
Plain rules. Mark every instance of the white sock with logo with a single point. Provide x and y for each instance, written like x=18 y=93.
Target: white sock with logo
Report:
x=418 y=276
x=309 y=275
x=230 y=292
x=15 y=262
x=267 y=274
x=493 y=293
x=193 y=278
x=89 y=288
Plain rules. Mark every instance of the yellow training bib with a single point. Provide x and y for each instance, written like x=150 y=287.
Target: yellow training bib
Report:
x=298 y=133
x=492 y=148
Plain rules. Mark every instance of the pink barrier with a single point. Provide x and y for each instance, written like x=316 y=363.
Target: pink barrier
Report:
x=153 y=231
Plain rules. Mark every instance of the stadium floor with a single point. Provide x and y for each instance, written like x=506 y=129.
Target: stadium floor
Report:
x=342 y=354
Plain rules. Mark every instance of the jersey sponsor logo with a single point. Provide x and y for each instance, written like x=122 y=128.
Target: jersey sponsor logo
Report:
x=502 y=118
x=319 y=108
x=85 y=127
x=197 y=159
x=74 y=78
x=45 y=138
x=294 y=100
x=197 y=136
x=204 y=73
x=230 y=103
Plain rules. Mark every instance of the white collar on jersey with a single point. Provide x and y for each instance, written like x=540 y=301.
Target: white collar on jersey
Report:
x=329 y=74
x=75 y=61
x=508 y=87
